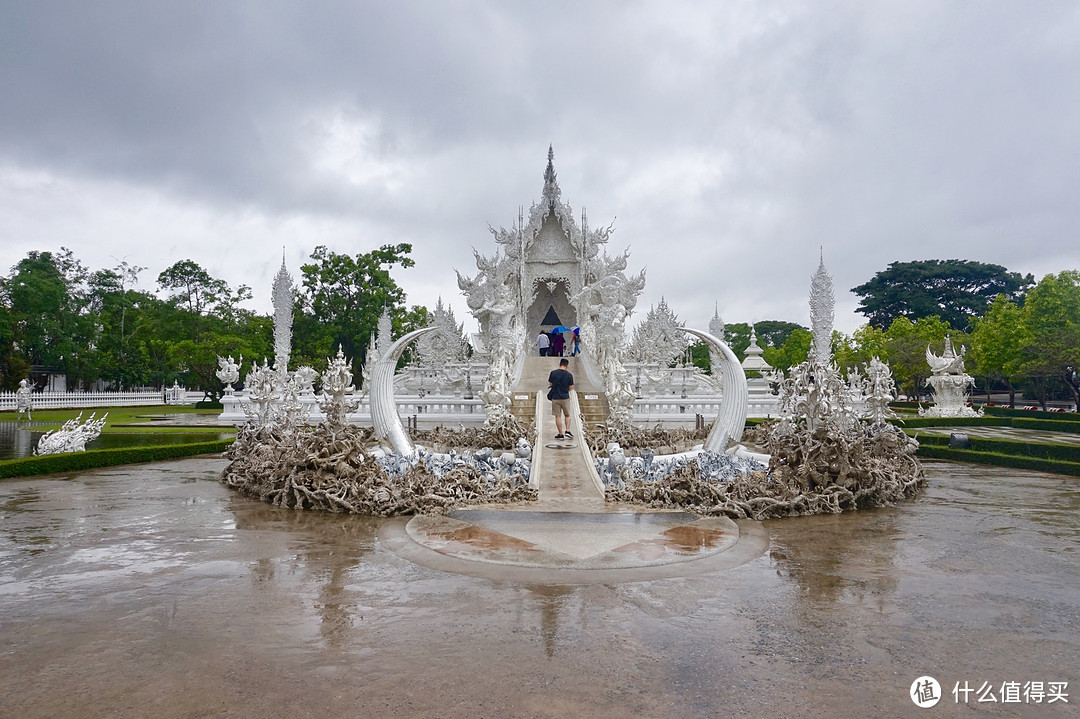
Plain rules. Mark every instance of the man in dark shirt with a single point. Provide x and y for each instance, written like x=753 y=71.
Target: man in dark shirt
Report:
x=561 y=382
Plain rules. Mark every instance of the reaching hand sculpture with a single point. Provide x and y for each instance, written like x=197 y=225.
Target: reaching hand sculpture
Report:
x=384 y=414
x=732 y=418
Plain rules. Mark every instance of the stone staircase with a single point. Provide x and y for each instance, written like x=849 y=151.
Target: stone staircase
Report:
x=523 y=407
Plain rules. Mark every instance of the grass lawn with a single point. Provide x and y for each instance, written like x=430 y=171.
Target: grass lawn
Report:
x=124 y=416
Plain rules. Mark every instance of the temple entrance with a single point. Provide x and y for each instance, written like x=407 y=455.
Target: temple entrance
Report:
x=550 y=306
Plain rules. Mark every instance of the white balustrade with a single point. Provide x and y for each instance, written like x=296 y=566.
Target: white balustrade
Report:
x=78 y=400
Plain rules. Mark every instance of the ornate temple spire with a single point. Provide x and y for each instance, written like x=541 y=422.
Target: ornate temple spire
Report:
x=551 y=183
x=822 y=313
x=283 y=316
x=716 y=324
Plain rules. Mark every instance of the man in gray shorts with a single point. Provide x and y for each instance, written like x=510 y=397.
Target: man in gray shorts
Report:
x=561 y=382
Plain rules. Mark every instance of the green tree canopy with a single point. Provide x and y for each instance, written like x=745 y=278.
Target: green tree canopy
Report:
x=770 y=333
x=344 y=296
x=954 y=290
x=794 y=350
x=1052 y=311
x=907 y=343
x=858 y=349
x=997 y=344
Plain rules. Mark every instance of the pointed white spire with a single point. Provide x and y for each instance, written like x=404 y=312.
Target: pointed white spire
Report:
x=283 y=316
x=551 y=183
x=716 y=324
x=822 y=313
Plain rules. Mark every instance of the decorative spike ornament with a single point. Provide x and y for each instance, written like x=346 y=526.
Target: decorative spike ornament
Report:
x=822 y=313
x=283 y=317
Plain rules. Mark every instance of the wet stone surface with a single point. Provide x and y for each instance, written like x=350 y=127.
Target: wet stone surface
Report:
x=155 y=591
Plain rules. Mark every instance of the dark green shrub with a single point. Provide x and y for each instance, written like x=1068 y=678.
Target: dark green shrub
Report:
x=1029 y=413
x=1048 y=425
x=79 y=461
x=933 y=451
x=913 y=422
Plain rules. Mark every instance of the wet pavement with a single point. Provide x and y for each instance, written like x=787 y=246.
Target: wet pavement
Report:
x=155 y=591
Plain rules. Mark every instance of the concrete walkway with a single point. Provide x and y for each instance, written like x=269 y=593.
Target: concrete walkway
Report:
x=566 y=482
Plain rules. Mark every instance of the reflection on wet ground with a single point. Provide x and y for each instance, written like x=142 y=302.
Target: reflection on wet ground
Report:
x=154 y=591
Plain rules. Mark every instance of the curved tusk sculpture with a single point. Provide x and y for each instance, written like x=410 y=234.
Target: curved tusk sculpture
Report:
x=384 y=414
x=732 y=418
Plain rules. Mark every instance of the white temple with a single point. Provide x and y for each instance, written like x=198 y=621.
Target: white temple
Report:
x=548 y=269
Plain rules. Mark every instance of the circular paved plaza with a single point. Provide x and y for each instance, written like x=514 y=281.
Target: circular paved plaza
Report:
x=155 y=591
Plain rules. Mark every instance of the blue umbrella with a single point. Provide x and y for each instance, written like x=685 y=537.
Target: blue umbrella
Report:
x=560 y=329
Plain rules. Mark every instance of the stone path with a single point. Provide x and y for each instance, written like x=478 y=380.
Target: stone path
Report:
x=1033 y=436
x=571 y=535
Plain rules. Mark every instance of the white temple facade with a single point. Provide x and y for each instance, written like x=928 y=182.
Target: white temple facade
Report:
x=549 y=268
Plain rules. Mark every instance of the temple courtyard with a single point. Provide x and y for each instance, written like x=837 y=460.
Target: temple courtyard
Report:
x=154 y=590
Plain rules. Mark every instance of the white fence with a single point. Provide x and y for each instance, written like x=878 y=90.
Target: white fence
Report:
x=78 y=400
x=655 y=409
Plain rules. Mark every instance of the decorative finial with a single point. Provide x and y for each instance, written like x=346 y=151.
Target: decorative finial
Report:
x=549 y=173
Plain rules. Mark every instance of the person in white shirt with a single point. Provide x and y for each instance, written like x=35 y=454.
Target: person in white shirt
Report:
x=543 y=342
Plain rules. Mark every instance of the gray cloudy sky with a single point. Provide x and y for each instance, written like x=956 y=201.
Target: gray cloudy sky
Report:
x=729 y=139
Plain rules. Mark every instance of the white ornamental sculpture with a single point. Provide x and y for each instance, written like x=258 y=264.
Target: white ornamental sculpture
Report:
x=878 y=390
x=261 y=390
x=338 y=399
x=24 y=402
x=814 y=395
x=716 y=362
x=72 y=436
x=822 y=313
x=605 y=305
x=950 y=383
x=229 y=372
x=283 y=317
x=659 y=338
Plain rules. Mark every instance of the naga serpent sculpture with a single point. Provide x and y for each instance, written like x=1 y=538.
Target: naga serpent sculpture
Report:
x=732 y=417
x=384 y=416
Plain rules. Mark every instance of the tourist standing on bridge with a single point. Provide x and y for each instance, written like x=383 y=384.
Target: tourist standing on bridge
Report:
x=557 y=344
x=561 y=382
x=543 y=342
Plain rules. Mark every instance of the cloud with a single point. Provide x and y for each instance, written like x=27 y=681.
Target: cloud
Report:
x=730 y=140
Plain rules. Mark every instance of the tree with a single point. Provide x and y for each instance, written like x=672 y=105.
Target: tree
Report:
x=794 y=350
x=346 y=295
x=865 y=343
x=49 y=324
x=954 y=290
x=196 y=291
x=774 y=333
x=907 y=343
x=1052 y=311
x=770 y=333
x=997 y=343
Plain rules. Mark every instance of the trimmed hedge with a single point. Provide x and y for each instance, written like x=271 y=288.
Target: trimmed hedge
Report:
x=1001 y=460
x=1048 y=425
x=914 y=422
x=1061 y=452
x=91 y=459
x=1029 y=413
